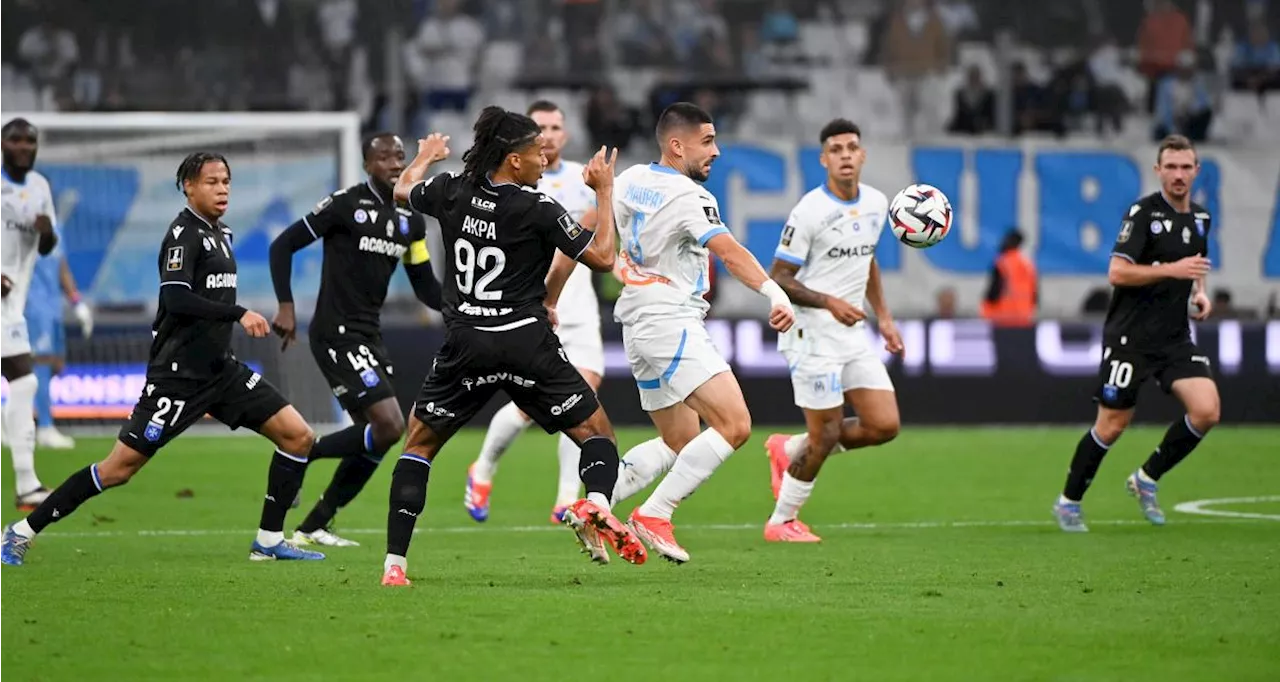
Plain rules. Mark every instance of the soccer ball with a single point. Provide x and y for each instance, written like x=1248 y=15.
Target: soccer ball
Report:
x=920 y=216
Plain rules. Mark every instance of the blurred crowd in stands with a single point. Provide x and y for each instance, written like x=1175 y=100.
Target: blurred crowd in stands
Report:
x=1072 y=65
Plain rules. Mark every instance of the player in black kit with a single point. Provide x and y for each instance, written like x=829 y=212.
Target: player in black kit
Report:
x=500 y=236
x=1159 y=261
x=191 y=372
x=366 y=237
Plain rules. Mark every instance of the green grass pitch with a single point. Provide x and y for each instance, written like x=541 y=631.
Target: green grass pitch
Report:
x=940 y=561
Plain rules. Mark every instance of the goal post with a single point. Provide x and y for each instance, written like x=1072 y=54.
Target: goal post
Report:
x=113 y=180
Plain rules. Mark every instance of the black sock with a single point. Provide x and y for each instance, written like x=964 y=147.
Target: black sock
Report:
x=598 y=466
x=348 y=480
x=284 y=479
x=1084 y=465
x=1178 y=442
x=353 y=440
x=62 y=502
x=408 y=499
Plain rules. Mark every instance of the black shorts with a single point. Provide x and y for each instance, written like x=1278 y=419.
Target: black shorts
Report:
x=357 y=368
x=1124 y=371
x=238 y=396
x=527 y=363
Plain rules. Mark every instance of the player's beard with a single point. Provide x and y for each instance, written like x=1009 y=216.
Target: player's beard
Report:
x=695 y=172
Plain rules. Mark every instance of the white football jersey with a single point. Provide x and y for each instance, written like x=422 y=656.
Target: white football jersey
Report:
x=578 y=304
x=664 y=221
x=22 y=203
x=833 y=242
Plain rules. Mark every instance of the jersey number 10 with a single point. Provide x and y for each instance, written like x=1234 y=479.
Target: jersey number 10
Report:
x=489 y=261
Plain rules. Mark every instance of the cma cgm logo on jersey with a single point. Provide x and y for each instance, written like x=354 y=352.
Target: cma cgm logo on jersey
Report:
x=1079 y=203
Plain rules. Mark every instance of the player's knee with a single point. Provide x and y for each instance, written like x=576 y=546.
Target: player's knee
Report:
x=736 y=429
x=1205 y=417
x=298 y=440
x=883 y=431
x=386 y=431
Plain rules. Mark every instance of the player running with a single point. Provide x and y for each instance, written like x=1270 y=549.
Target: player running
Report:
x=1160 y=259
x=668 y=224
x=579 y=332
x=29 y=222
x=191 y=371
x=826 y=263
x=500 y=236
x=51 y=280
x=366 y=236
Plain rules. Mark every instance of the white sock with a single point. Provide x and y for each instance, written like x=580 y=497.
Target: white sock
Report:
x=641 y=466
x=800 y=442
x=791 y=496
x=570 y=483
x=270 y=538
x=1063 y=499
x=600 y=500
x=505 y=427
x=20 y=425
x=24 y=529
x=697 y=461
x=1142 y=476
x=395 y=560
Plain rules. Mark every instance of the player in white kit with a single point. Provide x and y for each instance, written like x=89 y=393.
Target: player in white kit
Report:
x=826 y=263
x=579 y=330
x=668 y=222
x=29 y=233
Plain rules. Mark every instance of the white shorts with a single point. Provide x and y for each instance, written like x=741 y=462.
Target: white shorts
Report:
x=819 y=382
x=670 y=358
x=13 y=339
x=583 y=346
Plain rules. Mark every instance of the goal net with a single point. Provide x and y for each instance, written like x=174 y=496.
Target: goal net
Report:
x=113 y=179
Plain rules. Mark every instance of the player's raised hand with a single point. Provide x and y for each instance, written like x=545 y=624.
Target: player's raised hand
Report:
x=781 y=317
x=285 y=325
x=434 y=147
x=255 y=324
x=598 y=173
x=845 y=313
x=1203 y=306
x=1191 y=267
x=892 y=337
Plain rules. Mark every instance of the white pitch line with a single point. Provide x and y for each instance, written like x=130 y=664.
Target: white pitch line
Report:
x=548 y=528
x=1201 y=507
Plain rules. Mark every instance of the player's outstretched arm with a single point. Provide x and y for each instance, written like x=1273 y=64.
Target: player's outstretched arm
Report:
x=48 y=236
x=746 y=269
x=432 y=148
x=1123 y=272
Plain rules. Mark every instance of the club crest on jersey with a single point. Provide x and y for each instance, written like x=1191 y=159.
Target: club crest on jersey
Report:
x=173 y=259
x=1156 y=227
x=570 y=226
x=361 y=216
x=152 y=432
x=369 y=377
x=404 y=225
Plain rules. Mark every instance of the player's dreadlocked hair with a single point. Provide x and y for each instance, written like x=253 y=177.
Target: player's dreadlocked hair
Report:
x=194 y=163
x=498 y=132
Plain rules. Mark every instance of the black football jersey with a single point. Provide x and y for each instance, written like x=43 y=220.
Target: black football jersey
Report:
x=498 y=241
x=1155 y=316
x=197 y=255
x=366 y=236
